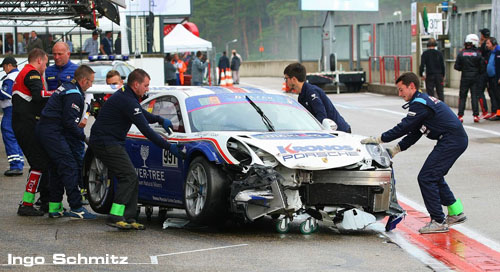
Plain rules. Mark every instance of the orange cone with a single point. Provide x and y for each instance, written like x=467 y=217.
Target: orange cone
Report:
x=229 y=78
x=285 y=88
x=223 y=78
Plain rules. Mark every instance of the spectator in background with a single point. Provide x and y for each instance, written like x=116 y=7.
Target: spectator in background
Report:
x=90 y=45
x=49 y=44
x=170 y=71
x=493 y=71
x=181 y=69
x=432 y=62
x=483 y=78
x=21 y=45
x=69 y=43
x=118 y=44
x=9 y=44
x=197 y=70
x=223 y=64
x=107 y=44
x=235 y=67
x=34 y=42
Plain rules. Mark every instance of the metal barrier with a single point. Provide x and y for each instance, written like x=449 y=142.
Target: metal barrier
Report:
x=374 y=59
x=390 y=67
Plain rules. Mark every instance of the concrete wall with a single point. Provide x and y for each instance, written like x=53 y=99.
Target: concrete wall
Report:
x=271 y=68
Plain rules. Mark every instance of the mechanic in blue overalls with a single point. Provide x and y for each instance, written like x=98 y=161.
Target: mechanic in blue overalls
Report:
x=58 y=127
x=12 y=149
x=107 y=141
x=432 y=117
x=312 y=97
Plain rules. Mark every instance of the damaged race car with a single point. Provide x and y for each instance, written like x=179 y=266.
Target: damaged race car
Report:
x=252 y=153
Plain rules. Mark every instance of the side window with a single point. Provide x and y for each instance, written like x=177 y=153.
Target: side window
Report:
x=167 y=107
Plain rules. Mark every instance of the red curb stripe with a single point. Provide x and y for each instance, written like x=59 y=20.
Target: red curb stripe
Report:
x=452 y=248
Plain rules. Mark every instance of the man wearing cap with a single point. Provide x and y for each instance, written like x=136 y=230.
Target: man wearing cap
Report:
x=90 y=45
x=483 y=78
x=12 y=149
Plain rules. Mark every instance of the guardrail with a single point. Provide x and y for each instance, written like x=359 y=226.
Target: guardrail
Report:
x=390 y=67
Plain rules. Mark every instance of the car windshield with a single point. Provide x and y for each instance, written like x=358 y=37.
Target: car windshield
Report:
x=233 y=112
x=100 y=72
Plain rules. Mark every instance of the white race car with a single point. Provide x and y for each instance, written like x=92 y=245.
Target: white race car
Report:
x=252 y=153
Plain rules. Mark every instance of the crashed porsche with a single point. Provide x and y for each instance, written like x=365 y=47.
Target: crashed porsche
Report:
x=252 y=153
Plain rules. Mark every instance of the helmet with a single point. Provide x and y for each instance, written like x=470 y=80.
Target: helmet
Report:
x=473 y=39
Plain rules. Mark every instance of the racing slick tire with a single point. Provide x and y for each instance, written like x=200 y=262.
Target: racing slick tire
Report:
x=206 y=192
x=99 y=184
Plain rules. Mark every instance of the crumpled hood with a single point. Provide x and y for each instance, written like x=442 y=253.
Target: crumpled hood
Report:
x=311 y=151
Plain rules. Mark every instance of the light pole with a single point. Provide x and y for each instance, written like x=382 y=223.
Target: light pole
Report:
x=227 y=45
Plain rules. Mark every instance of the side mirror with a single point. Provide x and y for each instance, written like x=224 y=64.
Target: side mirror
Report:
x=329 y=124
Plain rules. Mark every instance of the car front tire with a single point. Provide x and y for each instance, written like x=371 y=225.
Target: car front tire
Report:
x=205 y=192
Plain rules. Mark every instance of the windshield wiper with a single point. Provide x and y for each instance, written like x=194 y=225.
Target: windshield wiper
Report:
x=266 y=120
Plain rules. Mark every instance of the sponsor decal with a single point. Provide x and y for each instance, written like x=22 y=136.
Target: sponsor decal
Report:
x=144 y=154
x=313 y=96
x=75 y=106
x=51 y=78
x=411 y=113
x=137 y=111
x=286 y=136
x=298 y=152
x=34 y=77
x=168 y=159
x=154 y=175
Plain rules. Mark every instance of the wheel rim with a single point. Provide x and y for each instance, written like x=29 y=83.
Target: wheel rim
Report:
x=98 y=181
x=196 y=189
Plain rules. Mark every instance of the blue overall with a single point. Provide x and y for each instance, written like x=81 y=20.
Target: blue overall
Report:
x=318 y=104
x=430 y=116
x=58 y=127
x=12 y=149
x=56 y=75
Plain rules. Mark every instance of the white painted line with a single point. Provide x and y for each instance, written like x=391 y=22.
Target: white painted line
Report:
x=154 y=258
x=472 y=234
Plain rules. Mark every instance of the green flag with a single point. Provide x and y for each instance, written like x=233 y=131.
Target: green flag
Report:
x=426 y=20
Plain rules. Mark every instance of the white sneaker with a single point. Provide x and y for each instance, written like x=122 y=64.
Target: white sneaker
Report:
x=434 y=227
x=455 y=219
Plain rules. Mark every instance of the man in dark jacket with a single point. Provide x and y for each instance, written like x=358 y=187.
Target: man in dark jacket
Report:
x=430 y=117
x=483 y=78
x=27 y=104
x=471 y=64
x=235 y=67
x=58 y=127
x=107 y=140
x=433 y=62
x=223 y=64
x=313 y=98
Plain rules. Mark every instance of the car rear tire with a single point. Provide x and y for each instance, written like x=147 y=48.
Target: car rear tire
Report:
x=99 y=184
x=205 y=192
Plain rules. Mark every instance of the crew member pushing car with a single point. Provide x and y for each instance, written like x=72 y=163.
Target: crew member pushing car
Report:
x=58 y=127
x=107 y=140
x=27 y=104
x=432 y=117
x=312 y=97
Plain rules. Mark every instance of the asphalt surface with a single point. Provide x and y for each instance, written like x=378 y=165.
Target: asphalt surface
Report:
x=257 y=246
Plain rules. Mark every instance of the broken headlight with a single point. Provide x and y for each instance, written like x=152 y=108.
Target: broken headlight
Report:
x=265 y=157
x=379 y=155
x=239 y=151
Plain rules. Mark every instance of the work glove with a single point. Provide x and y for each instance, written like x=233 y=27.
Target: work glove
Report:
x=372 y=140
x=393 y=150
x=167 y=125
x=178 y=150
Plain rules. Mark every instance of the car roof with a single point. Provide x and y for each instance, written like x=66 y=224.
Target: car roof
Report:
x=207 y=90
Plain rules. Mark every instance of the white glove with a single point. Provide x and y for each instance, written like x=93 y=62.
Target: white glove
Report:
x=87 y=139
x=372 y=140
x=394 y=150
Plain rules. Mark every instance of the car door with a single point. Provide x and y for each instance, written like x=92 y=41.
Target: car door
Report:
x=159 y=172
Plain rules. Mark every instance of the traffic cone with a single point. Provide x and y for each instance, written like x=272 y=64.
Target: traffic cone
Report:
x=223 y=78
x=229 y=78
x=285 y=88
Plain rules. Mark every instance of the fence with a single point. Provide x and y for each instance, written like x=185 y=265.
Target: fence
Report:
x=389 y=68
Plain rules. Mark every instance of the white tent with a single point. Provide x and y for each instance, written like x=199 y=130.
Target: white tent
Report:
x=181 y=40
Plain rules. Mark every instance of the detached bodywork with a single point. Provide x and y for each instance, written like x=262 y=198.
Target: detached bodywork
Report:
x=252 y=153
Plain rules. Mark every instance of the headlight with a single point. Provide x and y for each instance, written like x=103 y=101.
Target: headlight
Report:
x=239 y=151
x=265 y=157
x=379 y=155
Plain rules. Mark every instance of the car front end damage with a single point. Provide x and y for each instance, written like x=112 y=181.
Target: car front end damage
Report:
x=347 y=193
